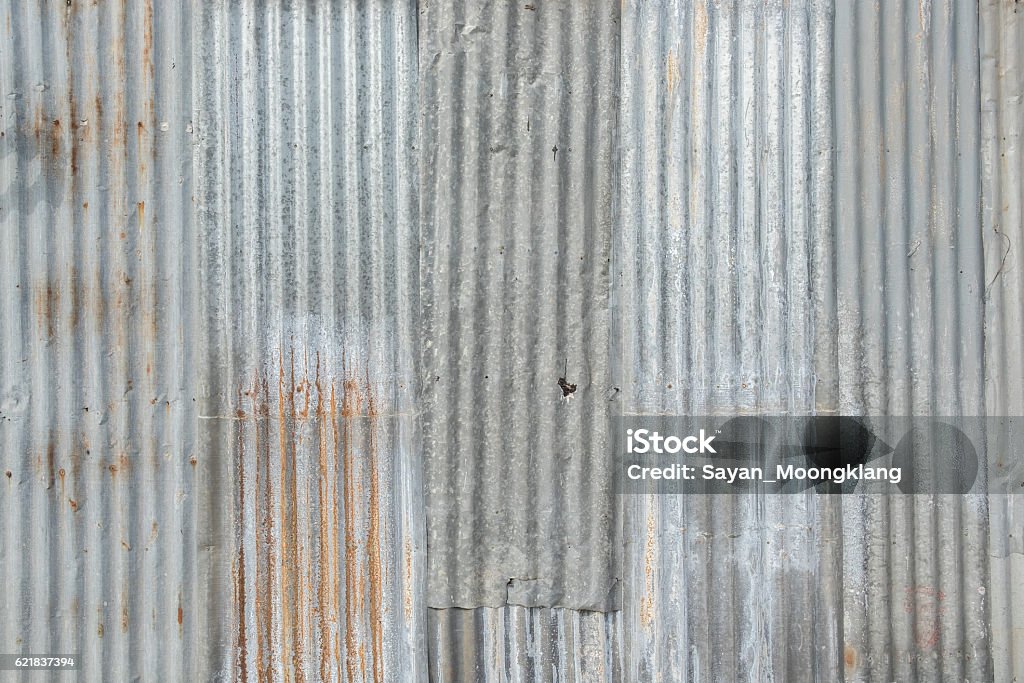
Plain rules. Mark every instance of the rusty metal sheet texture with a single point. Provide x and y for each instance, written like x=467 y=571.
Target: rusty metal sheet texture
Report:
x=306 y=215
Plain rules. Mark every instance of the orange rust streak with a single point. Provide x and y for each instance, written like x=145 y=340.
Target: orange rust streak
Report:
x=240 y=599
x=373 y=543
x=349 y=406
x=265 y=557
x=335 y=534
x=326 y=547
x=291 y=531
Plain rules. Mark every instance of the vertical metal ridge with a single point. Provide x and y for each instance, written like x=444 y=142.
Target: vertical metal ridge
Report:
x=518 y=133
x=515 y=643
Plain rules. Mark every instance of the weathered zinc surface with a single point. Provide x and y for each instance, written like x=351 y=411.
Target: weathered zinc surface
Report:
x=519 y=111
x=306 y=215
x=1002 y=162
x=263 y=262
x=97 y=332
x=725 y=301
x=209 y=220
x=910 y=280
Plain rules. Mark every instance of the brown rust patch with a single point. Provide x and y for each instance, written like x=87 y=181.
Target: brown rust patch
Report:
x=47 y=305
x=850 y=657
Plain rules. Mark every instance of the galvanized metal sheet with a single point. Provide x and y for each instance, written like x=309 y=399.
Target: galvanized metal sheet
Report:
x=524 y=644
x=1002 y=161
x=97 y=381
x=306 y=177
x=518 y=137
x=911 y=285
x=249 y=298
x=726 y=302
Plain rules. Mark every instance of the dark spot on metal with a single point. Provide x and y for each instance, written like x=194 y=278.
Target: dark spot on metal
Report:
x=554 y=153
x=8 y=473
x=567 y=388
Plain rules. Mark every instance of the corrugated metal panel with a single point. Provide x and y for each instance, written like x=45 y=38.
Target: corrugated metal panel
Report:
x=1002 y=124
x=524 y=644
x=726 y=300
x=306 y=175
x=96 y=332
x=519 y=105
x=209 y=426
x=910 y=287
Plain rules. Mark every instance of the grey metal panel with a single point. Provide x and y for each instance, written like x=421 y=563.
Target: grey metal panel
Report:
x=518 y=104
x=97 y=493
x=911 y=284
x=306 y=175
x=524 y=644
x=1002 y=124
x=725 y=294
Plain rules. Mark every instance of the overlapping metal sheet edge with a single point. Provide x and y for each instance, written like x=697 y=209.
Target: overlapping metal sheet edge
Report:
x=307 y=205
x=518 y=159
x=1002 y=123
x=97 y=339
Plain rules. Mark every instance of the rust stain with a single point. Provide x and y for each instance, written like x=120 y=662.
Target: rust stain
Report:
x=671 y=71
x=296 y=521
x=647 y=601
x=850 y=657
x=47 y=304
x=374 y=544
x=407 y=588
x=140 y=209
x=926 y=604
x=51 y=455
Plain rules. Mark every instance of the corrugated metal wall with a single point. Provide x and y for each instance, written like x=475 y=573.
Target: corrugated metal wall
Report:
x=911 y=285
x=275 y=272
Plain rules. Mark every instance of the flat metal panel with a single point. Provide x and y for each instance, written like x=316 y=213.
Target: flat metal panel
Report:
x=97 y=344
x=518 y=104
x=725 y=296
x=306 y=200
